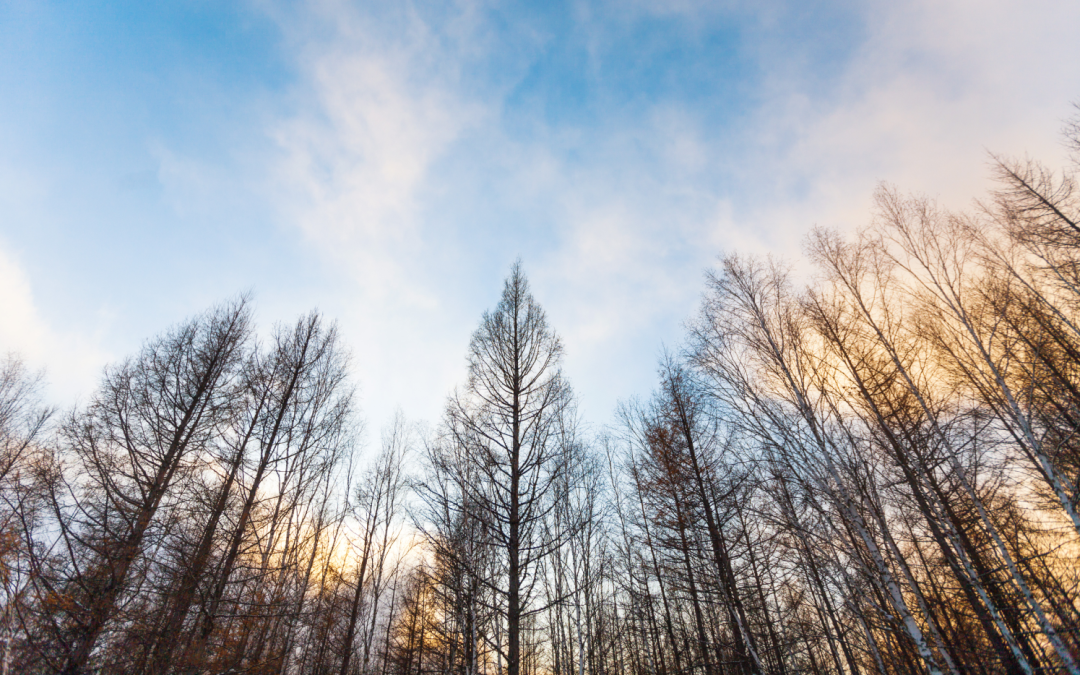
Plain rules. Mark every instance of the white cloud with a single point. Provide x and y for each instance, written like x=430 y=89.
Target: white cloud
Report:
x=72 y=362
x=935 y=86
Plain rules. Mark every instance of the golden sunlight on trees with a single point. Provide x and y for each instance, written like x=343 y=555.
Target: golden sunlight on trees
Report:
x=878 y=472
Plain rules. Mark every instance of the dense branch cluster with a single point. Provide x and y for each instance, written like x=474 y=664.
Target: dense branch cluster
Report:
x=876 y=472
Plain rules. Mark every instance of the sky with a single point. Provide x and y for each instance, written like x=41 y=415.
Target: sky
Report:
x=386 y=163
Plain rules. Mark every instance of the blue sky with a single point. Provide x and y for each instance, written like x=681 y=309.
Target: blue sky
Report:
x=387 y=162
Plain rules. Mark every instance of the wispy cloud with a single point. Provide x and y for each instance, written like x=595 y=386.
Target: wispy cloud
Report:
x=421 y=165
x=377 y=110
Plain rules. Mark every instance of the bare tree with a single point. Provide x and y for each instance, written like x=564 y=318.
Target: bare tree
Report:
x=511 y=422
x=151 y=416
x=378 y=501
x=22 y=421
x=301 y=432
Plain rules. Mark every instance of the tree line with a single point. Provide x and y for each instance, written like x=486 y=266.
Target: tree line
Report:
x=873 y=471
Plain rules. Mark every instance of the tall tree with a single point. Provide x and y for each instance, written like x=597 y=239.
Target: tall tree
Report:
x=150 y=416
x=512 y=420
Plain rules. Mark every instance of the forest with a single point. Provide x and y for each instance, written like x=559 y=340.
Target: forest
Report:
x=864 y=461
